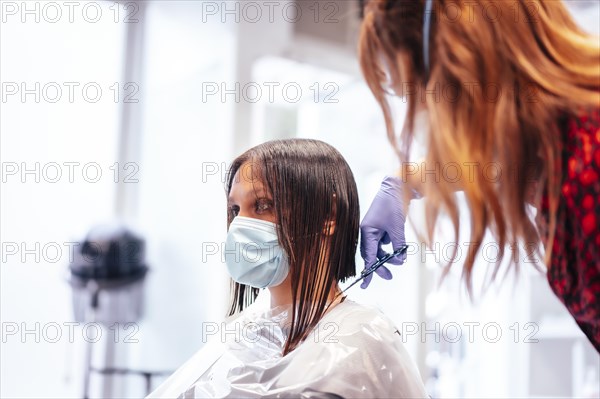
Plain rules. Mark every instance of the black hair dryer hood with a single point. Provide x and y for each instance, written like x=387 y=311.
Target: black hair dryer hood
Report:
x=110 y=253
x=107 y=275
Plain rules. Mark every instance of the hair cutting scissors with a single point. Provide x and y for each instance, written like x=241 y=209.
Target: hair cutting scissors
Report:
x=377 y=265
x=369 y=270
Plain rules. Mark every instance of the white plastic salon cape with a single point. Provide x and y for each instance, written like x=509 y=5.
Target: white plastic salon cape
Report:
x=355 y=352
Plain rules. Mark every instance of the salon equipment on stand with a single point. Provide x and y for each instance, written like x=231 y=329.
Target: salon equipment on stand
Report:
x=107 y=274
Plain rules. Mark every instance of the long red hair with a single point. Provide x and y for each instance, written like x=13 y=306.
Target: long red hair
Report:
x=502 y=74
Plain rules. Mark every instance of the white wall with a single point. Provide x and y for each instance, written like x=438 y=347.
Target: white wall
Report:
x=45 y=214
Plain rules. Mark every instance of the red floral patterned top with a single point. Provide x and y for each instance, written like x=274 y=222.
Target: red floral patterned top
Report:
x=574 y=270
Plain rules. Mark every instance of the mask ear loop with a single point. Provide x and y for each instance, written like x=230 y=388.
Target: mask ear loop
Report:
x=426 y=32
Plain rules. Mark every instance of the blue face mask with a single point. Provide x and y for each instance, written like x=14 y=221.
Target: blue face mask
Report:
x=253 y=255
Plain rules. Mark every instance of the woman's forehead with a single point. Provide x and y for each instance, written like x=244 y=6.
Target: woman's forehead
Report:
x=248 y=178
x=249 y=173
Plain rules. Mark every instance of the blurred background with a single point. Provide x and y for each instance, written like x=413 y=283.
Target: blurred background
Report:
x=118 y=122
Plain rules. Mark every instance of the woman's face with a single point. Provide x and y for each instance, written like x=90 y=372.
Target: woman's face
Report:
x=248 y=196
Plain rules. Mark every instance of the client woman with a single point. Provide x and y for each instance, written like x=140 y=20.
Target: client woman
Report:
x=293 y=221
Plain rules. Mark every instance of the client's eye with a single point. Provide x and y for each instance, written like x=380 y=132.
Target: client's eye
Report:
x=263 y=205
x=233 y=210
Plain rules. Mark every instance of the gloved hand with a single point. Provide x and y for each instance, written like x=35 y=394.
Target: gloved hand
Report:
x=383 y=223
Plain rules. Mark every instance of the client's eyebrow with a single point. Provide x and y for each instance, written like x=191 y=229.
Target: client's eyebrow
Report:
x=253 y=194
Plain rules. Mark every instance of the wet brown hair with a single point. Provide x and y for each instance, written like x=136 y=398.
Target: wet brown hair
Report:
x=311 y=184
x=543 y=65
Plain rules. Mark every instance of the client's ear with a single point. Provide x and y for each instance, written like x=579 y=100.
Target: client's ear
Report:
x=329 y=227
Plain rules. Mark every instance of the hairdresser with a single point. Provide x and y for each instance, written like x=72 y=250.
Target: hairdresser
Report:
x=515 y=84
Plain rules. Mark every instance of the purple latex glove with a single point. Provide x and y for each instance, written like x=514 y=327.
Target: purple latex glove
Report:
x=383 y=223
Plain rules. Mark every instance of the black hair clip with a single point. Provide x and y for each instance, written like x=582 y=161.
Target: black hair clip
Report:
x=426 y=31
